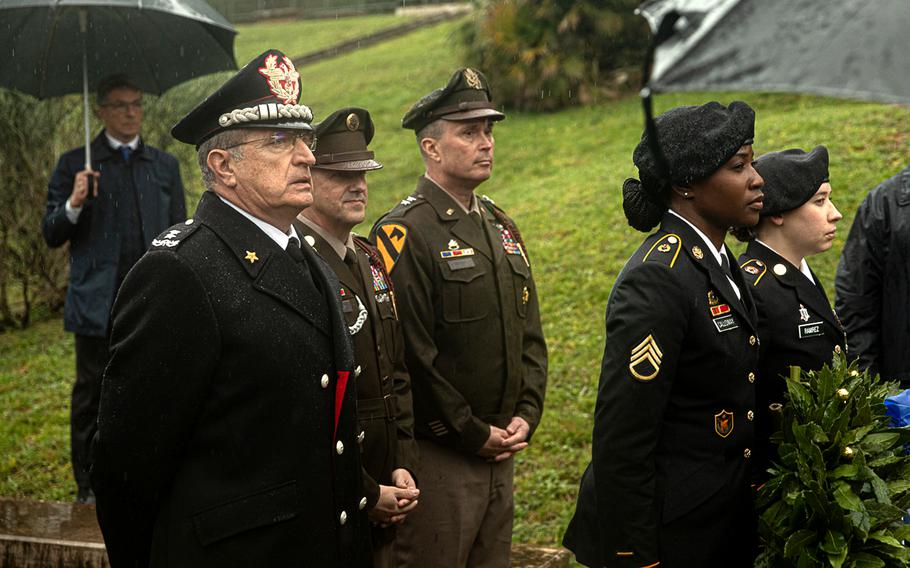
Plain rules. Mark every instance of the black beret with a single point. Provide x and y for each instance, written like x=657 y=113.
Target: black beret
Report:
x=264 y=94
x=466 y=97
x=342 y=140
x=696 y=141
x=792 y=177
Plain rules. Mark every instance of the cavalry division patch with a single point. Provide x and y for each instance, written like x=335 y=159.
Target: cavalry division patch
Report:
x=390 y=239
x=644 y=364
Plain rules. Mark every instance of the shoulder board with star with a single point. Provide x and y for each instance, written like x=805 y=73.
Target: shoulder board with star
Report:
x=754 y=270
x=665 y=250
x=406 y=204
x=173 y=236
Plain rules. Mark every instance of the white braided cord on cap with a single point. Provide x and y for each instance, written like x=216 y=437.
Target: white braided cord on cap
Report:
x=270 y=111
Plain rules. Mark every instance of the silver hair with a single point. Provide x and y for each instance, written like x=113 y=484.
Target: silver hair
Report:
x=432 y=130
x=219 y=141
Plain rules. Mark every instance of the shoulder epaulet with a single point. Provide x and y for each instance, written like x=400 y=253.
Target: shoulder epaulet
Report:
x=175 y=235
x=664 y=250
x=754 y=269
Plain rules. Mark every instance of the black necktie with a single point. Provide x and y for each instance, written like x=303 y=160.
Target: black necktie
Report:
x=725 y=265
x=293 y=250
x=475 y=216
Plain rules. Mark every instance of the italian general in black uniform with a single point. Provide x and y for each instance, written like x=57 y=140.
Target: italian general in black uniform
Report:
x=389 y=452
x=473 y=340
x=227 y=431
x=795 y=321
x=669 y=480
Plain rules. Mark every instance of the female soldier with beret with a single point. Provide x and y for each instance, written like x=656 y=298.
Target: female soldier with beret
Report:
x=795 y=320
x=669 y=481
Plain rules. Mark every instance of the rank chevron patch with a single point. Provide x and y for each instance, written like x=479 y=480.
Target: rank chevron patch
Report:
x=646 y=358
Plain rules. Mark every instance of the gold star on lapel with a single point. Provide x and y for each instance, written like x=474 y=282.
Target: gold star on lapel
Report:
x=251 y=256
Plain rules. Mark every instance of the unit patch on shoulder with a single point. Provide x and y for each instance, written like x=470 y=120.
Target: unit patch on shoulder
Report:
x=754 y=268
x=668 y=246
x=644 y=363
x=390 y=238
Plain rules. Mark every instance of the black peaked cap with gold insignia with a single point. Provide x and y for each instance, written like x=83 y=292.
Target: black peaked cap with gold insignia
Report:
x=264 y=94
x=342 y=141
x=792 y=177
x=466 y=97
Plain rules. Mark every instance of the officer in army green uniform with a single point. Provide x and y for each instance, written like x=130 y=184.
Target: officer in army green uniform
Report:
x=669 y=480
x=473 y=340
x=368 y=303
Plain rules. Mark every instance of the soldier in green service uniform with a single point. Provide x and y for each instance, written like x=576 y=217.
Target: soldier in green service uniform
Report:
x=473 y=340
x=368 y=303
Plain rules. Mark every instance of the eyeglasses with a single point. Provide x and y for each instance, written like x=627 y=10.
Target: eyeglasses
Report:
x=283 y=140
x=121 y=106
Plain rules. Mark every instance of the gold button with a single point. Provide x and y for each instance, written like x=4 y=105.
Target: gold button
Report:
x=324 y=381
x=339 y=447
x=752 y=340
x=747 y=453
x=751 y=377
x=750 y=416
x=837 y=349
x=343 y=518
x=357 y=372
x=363 y=503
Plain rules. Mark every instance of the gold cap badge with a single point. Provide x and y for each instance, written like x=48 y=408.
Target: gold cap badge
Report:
x=352 y=122
x=472 y=79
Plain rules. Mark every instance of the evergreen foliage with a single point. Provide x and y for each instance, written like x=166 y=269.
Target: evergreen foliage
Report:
x=550 y=54
x=841 y=485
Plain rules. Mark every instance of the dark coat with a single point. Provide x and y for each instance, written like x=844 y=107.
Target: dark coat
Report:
x=673 y=426
x=796 y=326
x=219 y=442
x=872 y=286
x=474 y=345
x=94 y=240
x=383 y=386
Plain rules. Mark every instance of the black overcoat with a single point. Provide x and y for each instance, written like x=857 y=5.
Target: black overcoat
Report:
x=797 y=327
x=673 y=425
x=217 y=442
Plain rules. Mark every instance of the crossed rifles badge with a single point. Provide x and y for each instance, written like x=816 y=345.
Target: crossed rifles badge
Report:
x=644 y=364
x=283 y=78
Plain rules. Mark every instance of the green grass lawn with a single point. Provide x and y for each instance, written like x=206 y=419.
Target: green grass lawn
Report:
x=560 y=176
x=299 y=37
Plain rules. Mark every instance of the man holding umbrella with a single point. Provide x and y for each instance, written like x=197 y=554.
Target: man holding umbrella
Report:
x=109 y=215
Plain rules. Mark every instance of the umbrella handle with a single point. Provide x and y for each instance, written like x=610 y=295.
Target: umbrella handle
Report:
x=83 y=27
x=664 y=31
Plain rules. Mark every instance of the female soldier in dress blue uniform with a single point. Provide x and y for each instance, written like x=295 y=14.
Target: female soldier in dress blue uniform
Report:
x=795 y=321
x=669 y=481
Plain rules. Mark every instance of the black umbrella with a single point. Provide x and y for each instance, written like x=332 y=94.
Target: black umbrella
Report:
x=844 y=48
x=56 y=47
x=855 y=49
